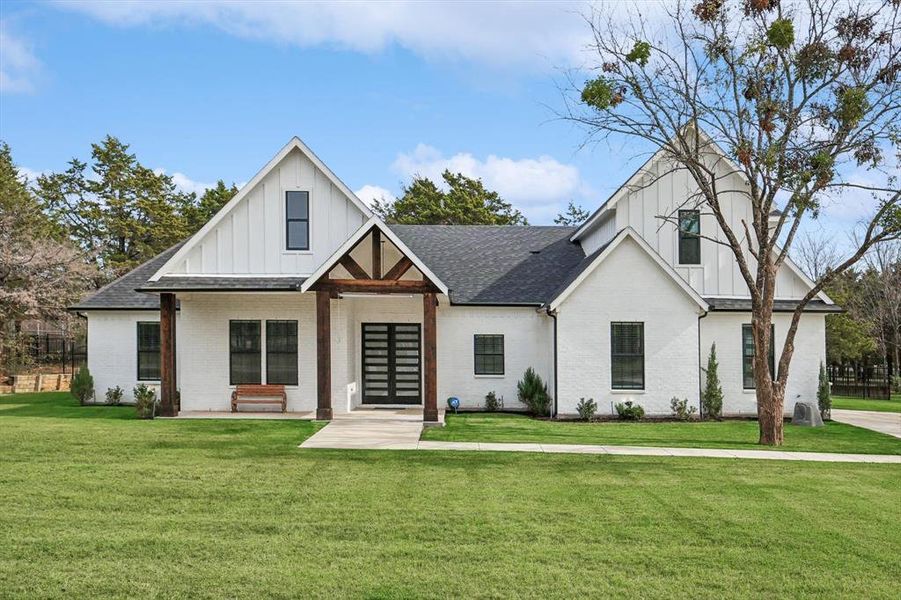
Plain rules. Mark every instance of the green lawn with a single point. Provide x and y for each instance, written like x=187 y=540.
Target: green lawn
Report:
x=97 y=504
x=834 y=437
x=893 y=405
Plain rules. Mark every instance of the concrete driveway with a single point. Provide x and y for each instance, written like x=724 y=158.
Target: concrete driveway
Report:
x=883 y=422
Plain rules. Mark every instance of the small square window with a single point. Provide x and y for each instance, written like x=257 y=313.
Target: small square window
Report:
x=489 y=354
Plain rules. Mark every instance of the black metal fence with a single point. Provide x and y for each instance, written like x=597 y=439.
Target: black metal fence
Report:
x=52 y=352
x=861 y=381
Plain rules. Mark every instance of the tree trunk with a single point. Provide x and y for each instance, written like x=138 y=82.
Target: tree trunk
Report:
x=770 y=405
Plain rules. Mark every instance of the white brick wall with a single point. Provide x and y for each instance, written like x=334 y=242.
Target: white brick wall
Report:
x=113 y=349
x=628 y=286
x=810 y=349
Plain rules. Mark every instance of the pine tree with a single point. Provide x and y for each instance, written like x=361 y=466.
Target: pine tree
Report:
x=713 y=391
x=824 y=397
x=574 y=215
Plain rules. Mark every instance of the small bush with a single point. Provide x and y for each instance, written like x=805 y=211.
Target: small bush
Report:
x=492 y=402
x=681 y=410
x=712 y=400
x=533 y=393
x=145 y=401
x=114 y=395
x=82 y=386
x=628 y=411
x=587 y=409
x=824 y=397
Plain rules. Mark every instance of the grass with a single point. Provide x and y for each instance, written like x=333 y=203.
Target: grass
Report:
x=834 y=437
x=844 y=402
x=98 y=504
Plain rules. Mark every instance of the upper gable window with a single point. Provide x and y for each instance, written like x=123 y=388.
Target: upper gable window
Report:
x=297 y=220
x=689 y=237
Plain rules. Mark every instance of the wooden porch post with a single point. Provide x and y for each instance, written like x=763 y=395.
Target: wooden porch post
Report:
x=168 y=385
x=323 y=356
x=430 y=348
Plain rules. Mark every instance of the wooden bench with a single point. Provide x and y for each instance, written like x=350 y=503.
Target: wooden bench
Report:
x=259 y=394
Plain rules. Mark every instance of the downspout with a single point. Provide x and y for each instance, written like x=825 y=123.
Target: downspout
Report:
x=700 y=384
x=553 y=314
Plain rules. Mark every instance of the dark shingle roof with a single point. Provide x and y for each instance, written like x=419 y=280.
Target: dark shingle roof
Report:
x=224 y=284
x=121 y=294
x=487 y=264
x=744 y=305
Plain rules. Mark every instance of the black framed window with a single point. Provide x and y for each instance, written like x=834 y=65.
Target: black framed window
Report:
x=245 y=357
x=747 y=356
x=489 y=354
x=627 y=355
x=297 y=220
x=281 y=352
x=148 y=351
x=689 y=237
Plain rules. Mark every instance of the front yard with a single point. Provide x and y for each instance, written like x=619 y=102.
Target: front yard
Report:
x=98 y=504
x=834 y=437
x=893 y=405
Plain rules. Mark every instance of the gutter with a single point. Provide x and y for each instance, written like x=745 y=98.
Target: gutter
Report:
x=553 y=314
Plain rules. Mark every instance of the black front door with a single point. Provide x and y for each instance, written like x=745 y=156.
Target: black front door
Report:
x=391 y=363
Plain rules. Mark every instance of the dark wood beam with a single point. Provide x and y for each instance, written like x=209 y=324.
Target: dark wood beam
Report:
x=430 y=358
x=398 y=270
x=353 y=267
x=376 y=253
x=168 y=375
x=323 y=356
x=382 y=286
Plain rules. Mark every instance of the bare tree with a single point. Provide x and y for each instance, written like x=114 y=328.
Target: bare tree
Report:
x=815 y=254
x=880 y=299
x=789 y=96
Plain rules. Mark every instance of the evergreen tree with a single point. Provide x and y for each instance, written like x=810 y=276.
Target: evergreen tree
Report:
x=824 y=397
x=574 y=215
x=713 y=391
x=209 y=204
x=466 y=202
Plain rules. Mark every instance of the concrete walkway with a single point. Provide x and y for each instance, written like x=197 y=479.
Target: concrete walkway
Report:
x=883 y=422
x=392 y=433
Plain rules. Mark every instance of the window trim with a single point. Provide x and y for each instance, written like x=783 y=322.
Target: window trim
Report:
x=688 y=236
x=231 y=381
x=296 y=352
x=308 y=221
x=138 y=350
x=772 y=356
x=613 y=385
x=502 y=354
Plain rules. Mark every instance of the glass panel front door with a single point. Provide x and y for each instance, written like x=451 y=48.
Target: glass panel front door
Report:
x=391 y=363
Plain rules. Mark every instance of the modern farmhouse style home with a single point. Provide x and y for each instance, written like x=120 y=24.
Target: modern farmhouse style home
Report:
x=295 y=286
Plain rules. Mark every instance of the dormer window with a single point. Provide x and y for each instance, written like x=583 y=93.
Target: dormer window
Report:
x=689 y=237
x=297 y=220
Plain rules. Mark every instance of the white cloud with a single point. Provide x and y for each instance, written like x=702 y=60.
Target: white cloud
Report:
x=30 y=175
x=186 y=184
x=18 y=64
x=539 y=187
x=528 y=34
x=370 y=193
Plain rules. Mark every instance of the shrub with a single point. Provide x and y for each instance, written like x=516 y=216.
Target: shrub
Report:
x=114 y=395
x=629 y=411
x=712 y=400
x=492 y=402
x=681 y=410
x=82 y=386
x=587 y=409
x=824 y=398
x=533 y=393
x=145 y=401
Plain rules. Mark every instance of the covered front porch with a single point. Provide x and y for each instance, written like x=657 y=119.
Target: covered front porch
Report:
x=364 y=339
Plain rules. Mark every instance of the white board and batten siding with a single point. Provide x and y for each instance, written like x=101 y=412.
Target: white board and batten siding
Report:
x=656 y=195
x=250 y=238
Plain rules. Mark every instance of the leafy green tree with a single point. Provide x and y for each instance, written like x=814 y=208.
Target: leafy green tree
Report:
x=466 y=202
x=713 y=390
x=574 y=215
x=849 y=336
x=209 y=204
x=117 y=210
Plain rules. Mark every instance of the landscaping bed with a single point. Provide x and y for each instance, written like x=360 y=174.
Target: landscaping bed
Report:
x=739 y=434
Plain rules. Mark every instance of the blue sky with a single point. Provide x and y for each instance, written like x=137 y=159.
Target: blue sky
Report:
x=208 y=91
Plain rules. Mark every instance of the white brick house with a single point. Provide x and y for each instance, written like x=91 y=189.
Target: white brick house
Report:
x=295 y=283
